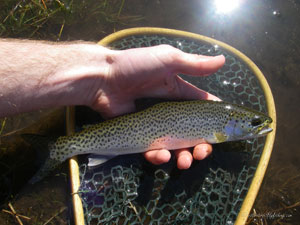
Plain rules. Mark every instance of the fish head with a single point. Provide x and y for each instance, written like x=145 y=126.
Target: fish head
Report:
x=245 y=123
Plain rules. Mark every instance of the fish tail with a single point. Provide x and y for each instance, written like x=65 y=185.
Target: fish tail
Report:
x=43 y=146
x=47 y=167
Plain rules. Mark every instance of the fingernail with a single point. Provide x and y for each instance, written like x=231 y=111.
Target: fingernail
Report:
x=213 y=98
x=188 y=161
x=219 y=56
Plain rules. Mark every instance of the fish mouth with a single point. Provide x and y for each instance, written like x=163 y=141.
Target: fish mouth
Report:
x=259 y=131
x=264 y=130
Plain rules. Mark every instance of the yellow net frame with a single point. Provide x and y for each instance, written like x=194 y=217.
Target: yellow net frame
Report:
x=265 y=157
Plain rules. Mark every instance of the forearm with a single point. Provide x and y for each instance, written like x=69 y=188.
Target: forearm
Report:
x=36 y=75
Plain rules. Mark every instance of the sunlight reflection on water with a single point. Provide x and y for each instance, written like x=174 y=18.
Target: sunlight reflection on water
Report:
x=225 y=7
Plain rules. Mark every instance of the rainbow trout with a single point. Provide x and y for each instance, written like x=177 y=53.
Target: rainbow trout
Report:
x=167 y=125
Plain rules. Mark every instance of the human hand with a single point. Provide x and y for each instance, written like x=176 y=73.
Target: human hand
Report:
x=109 y=81
x=152 y=72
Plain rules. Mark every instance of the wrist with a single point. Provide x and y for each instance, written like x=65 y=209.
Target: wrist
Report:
x=80 y=74
x=35 y=74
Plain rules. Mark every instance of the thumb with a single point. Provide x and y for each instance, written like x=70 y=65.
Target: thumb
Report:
x=193 y=64
x=114 y=108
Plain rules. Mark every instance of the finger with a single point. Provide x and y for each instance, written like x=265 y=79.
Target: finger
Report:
x=158 y=157
x=185 y=90
x=109 y=108
x=201 y=151
x=193 y=64
x=184 y=159
x=177 y=88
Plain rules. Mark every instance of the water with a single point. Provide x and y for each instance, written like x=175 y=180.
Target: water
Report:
x=266 y=31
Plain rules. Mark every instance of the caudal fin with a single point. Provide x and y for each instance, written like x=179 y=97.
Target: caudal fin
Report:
x=47 y=167
x=42 y=144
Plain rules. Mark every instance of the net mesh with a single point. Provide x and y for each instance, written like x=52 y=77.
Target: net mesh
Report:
x=129 y=190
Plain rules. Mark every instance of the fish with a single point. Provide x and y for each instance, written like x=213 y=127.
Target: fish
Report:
x=167 y=125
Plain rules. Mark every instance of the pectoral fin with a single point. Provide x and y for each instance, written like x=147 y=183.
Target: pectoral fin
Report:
x=220 y=137
x=96 y=160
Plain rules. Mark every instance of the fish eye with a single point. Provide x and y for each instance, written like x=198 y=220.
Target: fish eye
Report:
x=256 y=122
